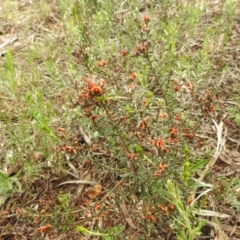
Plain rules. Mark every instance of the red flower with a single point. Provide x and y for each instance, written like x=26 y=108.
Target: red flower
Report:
x=163 y=115
x=96 y=90
x=165 y=150
x=176 y=88
x=173 y=131
x=146 y=18
x=159 y=143
x=123 y=53
x=133 y=75
x=101 y=63
x=162 y=167
x=157 y=173
x=45 y=228
x=131 y=156
x=142 y=125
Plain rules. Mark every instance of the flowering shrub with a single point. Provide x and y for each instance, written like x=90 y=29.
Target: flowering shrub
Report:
x=145 y=117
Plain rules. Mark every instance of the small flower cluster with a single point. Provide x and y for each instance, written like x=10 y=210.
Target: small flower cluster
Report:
x=101 y=63
x=146 y=20
x=166 y=209
x=146 y=124
x=141 y=48
x=161 y=168
x=150 y=212
x=177 y=85
x=93 y=89
x=149 y=215
x=64 y=148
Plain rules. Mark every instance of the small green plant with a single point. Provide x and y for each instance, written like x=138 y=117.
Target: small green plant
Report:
x=8 y=186
x=234 y=112
x=83 y=230
x=185 y=225
x=62 y=211
x=110 y=234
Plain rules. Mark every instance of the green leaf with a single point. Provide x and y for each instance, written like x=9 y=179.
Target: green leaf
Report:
x=198 y=165
x=84 y=230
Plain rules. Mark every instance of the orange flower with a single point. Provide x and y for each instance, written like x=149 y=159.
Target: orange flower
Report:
x=173 y=131
x=158 y=173
x=96 y=90
x=131 y=156
x=176 y=88
x=153 y=218
x=70 y=149
x=190 y=135
x=142 y=125
x=97 y=206
x=165 y=209
x=95 y=191
x=59 y=129
x=162 y=167
x=123 y=53
x=146 y=18
x=159 y=143
x=120 y=183
x=163 y=115
x=19 y=210
x=190 y=200
x=165 y=150
x=101 y=63
x=133 y=75
x=45 y=228
x=172 y=207
x=91 y=85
